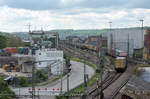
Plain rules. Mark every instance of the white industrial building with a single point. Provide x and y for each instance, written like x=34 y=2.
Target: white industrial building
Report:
x=53 y=60
x=120 y=39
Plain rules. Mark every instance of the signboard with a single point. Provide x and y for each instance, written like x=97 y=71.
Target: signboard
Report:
x=43 y=55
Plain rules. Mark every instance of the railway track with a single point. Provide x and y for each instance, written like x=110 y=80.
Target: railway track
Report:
x=106 y=83
x=108 y=80
x=116 y=91
x=80 y=54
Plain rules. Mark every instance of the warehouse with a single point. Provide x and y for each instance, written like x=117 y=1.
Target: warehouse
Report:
x=51 y=59
x=121 y=37
x=136 y=88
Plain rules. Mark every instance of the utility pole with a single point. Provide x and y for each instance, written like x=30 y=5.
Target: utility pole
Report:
x=68 y=70
x=111 y=40
x=29 y=27
x=57 y=38
x=101 y=65
x=85 y=83
x=141 y=20
x=33 y=67
x=110 y=25
x=111 y=47
x=61 y=82
x=85 y=80
x=128 y=49
x=68 y=86
x=33 y=76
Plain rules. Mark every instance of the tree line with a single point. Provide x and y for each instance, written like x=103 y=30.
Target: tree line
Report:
x=10 y=42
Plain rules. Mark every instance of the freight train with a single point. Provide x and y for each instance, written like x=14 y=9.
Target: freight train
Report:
x=120 y=62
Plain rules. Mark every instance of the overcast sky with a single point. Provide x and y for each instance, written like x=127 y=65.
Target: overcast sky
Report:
x=15 y=15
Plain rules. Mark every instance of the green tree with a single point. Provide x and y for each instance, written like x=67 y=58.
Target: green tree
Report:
x=23 y=82
x=41 y=75
x=68 y=64
x=3 y=42
x=15 y=42
x=5 y=91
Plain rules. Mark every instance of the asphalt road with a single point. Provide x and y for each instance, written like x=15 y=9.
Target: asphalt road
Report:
x=76 y=78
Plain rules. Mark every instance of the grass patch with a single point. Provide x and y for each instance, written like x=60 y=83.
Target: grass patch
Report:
x=86 y=62
x=138 y=71
x=50 y=81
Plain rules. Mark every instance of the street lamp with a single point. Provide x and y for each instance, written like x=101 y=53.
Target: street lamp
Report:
x=110 y=24
x=111 y=39
x=141 y=20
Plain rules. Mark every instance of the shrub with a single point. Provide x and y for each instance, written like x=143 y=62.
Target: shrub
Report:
x=41 y=75
x=23 y=82
x=5 y=91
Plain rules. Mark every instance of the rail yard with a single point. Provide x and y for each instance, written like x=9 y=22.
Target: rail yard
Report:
x=74 y=49
x=113 y=81
x=113 y=68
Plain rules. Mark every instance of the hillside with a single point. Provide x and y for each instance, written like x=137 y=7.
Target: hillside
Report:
x=6 y=34
x=63 y=33
x=68 y=32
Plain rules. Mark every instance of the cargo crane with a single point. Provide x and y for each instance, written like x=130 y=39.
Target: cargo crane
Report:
x=43 y=33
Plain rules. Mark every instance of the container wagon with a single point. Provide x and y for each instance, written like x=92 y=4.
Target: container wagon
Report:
x=120 y=64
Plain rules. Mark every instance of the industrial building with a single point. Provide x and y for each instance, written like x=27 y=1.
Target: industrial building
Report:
x=93 y=40
x=26 y=61
x=136 y=88
x=53 y=60
x=119 y=38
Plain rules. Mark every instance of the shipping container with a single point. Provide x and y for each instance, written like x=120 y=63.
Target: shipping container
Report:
x=117 y=53
x=109 y=51
x=148 y=31
x=12 y=50
x=20 y=50
x=145 y=50
x=145 y=56
x=105 y=50
x=122 y=54
x=120 y=64
x=3 y=51
x=113 y=53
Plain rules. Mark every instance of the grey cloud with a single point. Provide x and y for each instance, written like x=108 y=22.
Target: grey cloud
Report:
x=140 y=4
x=33 y=4
x=57 y=4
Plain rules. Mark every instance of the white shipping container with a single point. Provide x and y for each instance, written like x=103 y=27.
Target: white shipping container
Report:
x=123 y=46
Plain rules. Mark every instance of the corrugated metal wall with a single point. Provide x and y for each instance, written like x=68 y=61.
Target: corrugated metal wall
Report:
x=121 y=35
